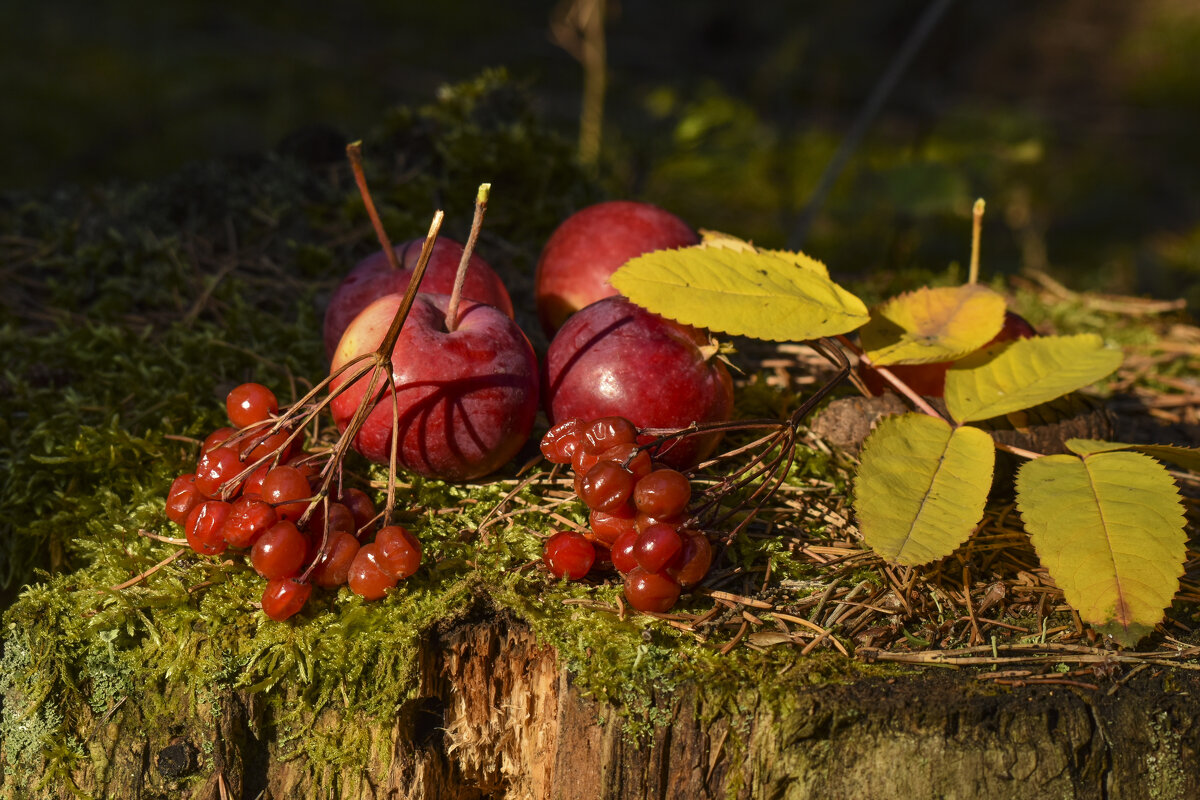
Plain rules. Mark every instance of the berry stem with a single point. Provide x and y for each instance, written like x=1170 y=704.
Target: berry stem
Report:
x=887 y=375
x=460 y=277
x=354 y=153
x=976 y=235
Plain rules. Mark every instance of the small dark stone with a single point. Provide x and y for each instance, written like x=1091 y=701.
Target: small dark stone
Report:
x=176 y=760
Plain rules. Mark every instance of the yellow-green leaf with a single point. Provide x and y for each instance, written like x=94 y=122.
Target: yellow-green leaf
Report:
x=930 y=325
x=1109 y=527
x=1015 y=375
x=718 y=239
x=921 y=487
x=740 y=292
x=1186 y=457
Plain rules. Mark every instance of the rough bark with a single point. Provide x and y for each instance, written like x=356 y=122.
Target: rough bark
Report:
x=498 y=717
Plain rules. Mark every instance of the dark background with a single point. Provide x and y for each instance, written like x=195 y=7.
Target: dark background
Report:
x=1074 y=119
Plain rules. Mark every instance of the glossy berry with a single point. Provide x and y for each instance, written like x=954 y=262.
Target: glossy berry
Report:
x=559 y=443
x=569 y=555
x=287 y=489
x=643 y=521
x=622 y=552
x=361 y=506
x=656 y=546
x=607 y=526
x=250 y=403
x=333 y=564
x=630 y=457
x=215 y=468
x=606 y=432
x=280 y=551
x=652 y=592
x=663 y=493
x=182 y=497
x=249 y=518
x=692 y=562
x=203 y=527
x=284 y=597
x=340 y=519
x=606 y=487
x=217 y=438
x=261 y=444
x=254 y=481
x=399 y=551
x=367 y=578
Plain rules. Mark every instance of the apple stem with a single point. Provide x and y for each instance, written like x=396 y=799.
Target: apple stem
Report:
x=354 y=153
x=976 y=235
x=460 y=277
x=414 y=284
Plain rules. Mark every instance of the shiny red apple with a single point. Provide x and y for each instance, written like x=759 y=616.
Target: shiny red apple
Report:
x=590 y=245
x=614 y=358
x=466 y=398
x=374 y=277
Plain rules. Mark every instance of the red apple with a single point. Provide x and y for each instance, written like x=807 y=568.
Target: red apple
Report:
x=929 y=380
x=590 y=245
x=373 y=277
x=614 y=358
x=467 y=399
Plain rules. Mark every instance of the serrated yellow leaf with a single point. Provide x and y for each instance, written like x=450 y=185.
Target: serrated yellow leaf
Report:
x=739 y=292
x=1020 y=374
x=709 y=238
x=931 y=325
x=1186 y=457
x=921 y=487
x=1109 y=527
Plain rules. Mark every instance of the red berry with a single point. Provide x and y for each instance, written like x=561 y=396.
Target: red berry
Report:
x=262 y=444
x=182 y=497
x=399 y=551
x=287 y=489
x=605 y=432
x=367 y=577
x=691 y=563
x=203 y=527
x=622 y=552
x=561 y=441
x=569 y=555
x=607 y=486
x=607 y=526
x=340 y=519
x=249 y=518
x=250 y=403
x=652 y=592
x=582 y=461
x=284 y=597
x=642 y=521
x=254 y=481
x=656 y=546
x=663 y=493
x=280 y=551
x=215 y=468
x=361 y=506
x=217 y=438
x=630 y=457
x=333 y=564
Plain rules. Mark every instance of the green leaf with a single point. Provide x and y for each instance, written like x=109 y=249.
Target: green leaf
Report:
x=1015 y=375
x=921 y=487
x=932 y=325
x=1109 y=527
x=740 y=292
x=1186 y=457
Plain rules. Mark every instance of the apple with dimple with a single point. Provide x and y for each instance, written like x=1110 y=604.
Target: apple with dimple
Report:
x=589 y=246
x=374 y=277
x=466 y=398
x=616 y=359
x=929 y=380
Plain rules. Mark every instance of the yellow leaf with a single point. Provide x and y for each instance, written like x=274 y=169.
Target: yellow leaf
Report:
x=717 y=239
x=1109 y=527
x=739 y=292
x=1186 y=457
x=931 y=325
x=1024 y=373
x=921 y=487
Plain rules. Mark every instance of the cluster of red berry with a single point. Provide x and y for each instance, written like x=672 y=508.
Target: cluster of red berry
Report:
x=637 y=514
x=253 y=490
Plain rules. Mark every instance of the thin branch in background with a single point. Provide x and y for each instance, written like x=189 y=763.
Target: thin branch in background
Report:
x=577 y=26
x=866 y=115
